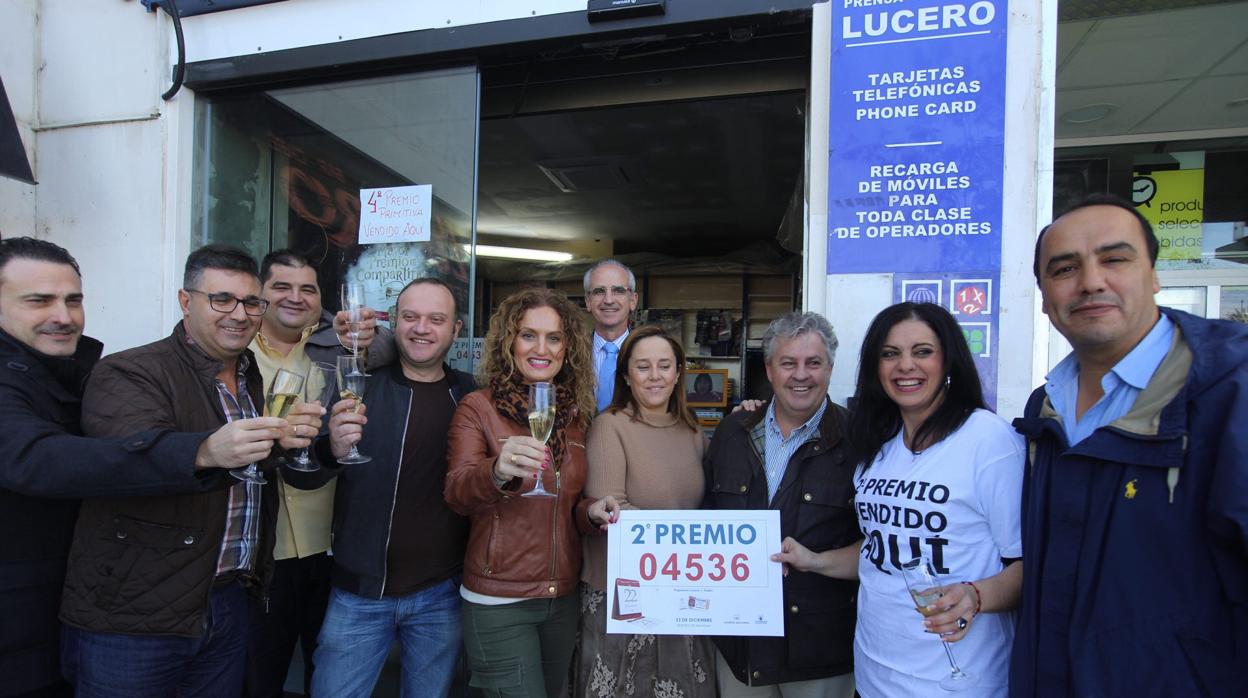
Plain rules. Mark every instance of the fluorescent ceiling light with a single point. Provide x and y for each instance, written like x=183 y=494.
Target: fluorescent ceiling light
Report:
x=521 y=253
x=1089 y=113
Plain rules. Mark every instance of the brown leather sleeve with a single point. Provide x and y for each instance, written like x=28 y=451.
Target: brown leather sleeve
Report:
x=470 y=454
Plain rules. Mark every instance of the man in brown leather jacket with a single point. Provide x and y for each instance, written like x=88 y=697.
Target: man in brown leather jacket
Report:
x=155 y=599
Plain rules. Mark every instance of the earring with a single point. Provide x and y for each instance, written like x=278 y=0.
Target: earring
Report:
x=948 y=380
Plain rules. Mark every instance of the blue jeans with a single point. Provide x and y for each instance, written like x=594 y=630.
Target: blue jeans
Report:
x=156 y=666
x=357 y=634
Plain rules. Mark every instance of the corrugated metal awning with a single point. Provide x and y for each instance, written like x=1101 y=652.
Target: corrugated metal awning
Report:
x=13 y=162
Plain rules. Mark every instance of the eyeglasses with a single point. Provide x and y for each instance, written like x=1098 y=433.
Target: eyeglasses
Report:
x=226 y=303
x=600 y=291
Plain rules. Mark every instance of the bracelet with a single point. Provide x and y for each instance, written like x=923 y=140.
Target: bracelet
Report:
x=979 y=597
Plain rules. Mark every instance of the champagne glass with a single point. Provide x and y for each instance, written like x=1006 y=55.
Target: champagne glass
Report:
x=319 y=387
x=281 y=396
x=541 y=422
x=925 y=585
x=351 y=383
x=353 y=303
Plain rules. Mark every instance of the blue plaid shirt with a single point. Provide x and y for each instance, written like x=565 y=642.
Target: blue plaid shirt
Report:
x=776 y=450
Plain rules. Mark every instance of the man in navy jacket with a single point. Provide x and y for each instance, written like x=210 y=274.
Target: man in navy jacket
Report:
x=45 y=463
x=1135 y=503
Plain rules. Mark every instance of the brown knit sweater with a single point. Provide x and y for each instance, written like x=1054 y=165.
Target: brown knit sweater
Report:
x=644 y=464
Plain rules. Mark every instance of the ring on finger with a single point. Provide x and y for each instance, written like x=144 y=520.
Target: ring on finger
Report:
x=961 y=623
x=513 y=459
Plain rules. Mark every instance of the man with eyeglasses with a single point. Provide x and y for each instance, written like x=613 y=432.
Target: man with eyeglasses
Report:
x=611 y=297
x=155 y=593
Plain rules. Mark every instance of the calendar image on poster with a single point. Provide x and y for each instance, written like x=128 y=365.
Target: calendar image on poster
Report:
x=626 y=603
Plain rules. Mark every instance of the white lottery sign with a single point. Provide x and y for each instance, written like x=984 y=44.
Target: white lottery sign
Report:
x=396 y=214
x=695 y=573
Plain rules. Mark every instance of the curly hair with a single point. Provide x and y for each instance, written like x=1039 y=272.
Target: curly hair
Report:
x=577 y=373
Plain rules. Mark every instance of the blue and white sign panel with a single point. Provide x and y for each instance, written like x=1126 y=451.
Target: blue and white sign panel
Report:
x=916 y=146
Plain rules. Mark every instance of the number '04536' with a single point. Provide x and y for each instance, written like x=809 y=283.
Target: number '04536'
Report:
x=695 y=568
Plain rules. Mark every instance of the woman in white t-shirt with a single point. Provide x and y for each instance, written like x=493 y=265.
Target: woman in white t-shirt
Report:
x=938 y=476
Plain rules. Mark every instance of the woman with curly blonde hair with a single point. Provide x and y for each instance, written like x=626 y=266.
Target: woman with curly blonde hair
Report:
x=523 y=561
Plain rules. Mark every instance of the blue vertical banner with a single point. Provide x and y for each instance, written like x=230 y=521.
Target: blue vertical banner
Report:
x=972 y=299
x=917 y=135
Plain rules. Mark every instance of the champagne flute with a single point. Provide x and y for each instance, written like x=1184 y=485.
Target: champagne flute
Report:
x=541 y=423
x=351 y=383
x=925 y=585
x=281 y=396
x=319 y=387
x=353 y=303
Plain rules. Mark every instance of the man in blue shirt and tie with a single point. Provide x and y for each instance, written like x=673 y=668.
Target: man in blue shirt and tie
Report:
x=1135 y=499
x=611 y=297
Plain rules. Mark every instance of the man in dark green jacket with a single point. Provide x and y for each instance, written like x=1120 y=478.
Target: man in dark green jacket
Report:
x=156 y=586
x=792 y=457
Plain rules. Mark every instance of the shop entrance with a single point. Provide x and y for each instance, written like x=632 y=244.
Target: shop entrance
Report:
x=683 y=157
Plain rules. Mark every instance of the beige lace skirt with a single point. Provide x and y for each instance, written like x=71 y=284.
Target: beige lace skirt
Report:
x=663 y=666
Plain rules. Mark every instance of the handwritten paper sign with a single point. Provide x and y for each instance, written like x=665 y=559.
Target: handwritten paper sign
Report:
x=395 y=214
x=695 y=573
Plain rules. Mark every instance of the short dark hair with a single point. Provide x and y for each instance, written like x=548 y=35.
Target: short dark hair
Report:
x=217 y=256
x=1146 y=228
x=431 y=281
x=285 y=257
x=876 y=418
x=39 y=250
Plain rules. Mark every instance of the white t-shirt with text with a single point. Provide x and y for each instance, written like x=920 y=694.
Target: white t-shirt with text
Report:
x=958 y=503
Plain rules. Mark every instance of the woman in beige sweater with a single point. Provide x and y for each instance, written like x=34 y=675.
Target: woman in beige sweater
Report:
x=645 y=450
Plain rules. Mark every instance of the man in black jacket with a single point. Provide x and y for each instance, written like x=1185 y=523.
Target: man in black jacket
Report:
x=398 y=548
x=792 y=457
x=46 y=464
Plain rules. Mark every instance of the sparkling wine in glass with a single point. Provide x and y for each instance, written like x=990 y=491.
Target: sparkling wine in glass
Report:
x=924 y=585
x=353 y=303
x=281 y=396
x=351 y=383
x=541 y=422
x=319 y=387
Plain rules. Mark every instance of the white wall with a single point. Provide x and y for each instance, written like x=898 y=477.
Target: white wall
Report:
x=19 y=51
x=103 y=148
x=298 y=23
